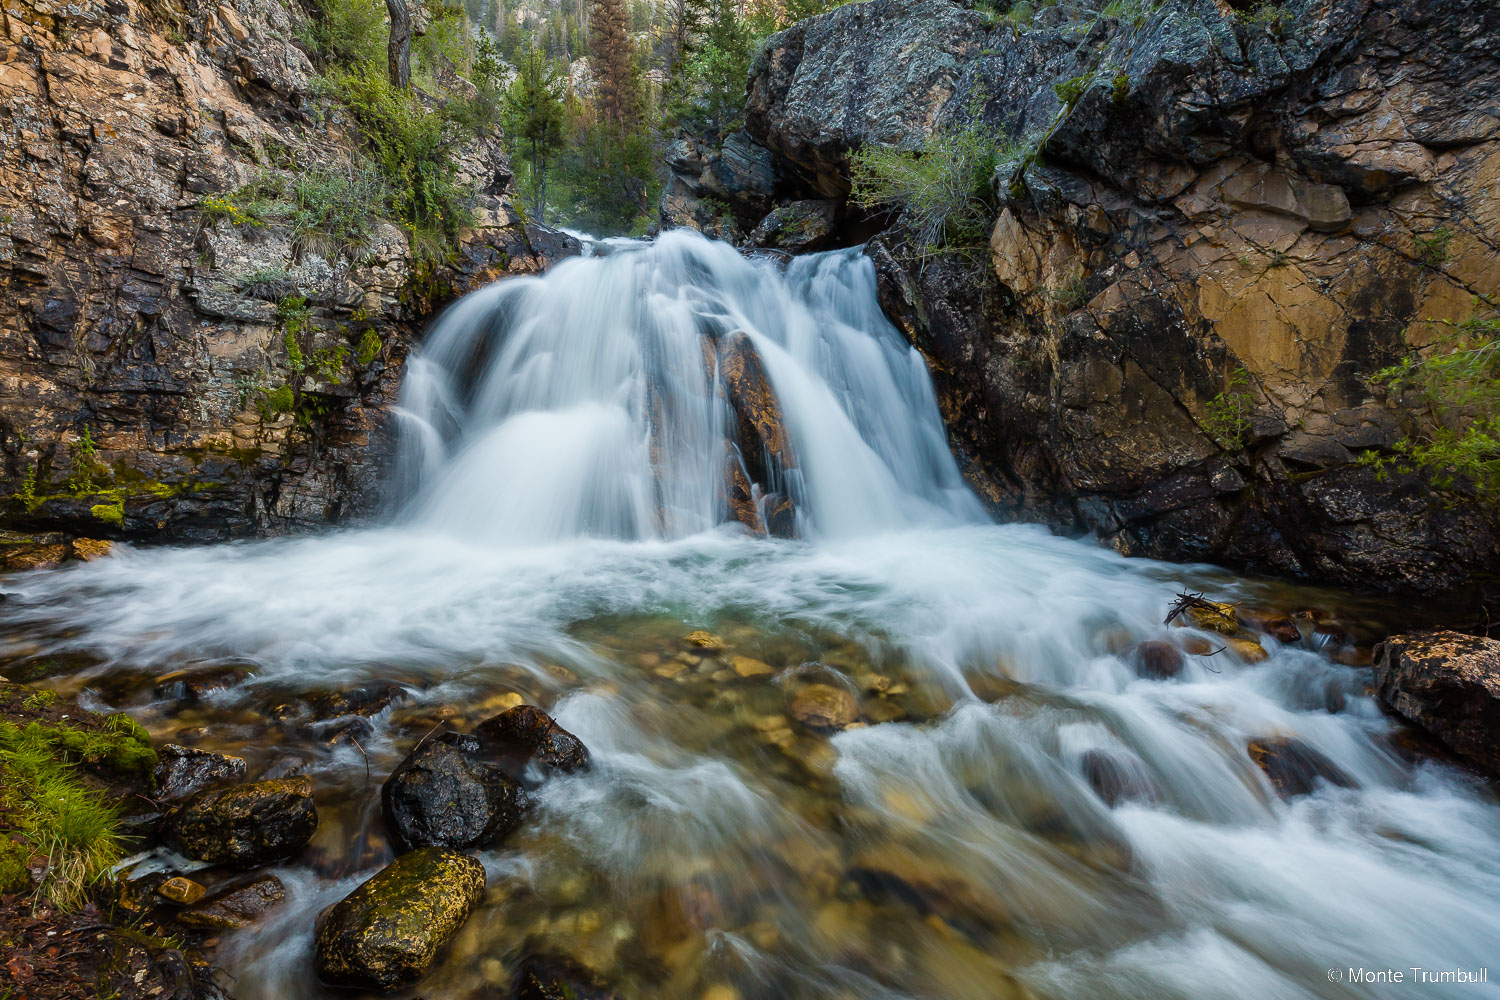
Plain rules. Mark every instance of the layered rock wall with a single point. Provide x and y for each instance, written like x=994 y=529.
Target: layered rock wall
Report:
x=141 y=337
x=1198 y=261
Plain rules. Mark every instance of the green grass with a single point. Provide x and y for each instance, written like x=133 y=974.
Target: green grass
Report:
x=48 y=806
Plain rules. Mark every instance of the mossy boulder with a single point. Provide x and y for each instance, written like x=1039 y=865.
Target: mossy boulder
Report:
x=445 y=795
x=245 y=825
x=388 y=932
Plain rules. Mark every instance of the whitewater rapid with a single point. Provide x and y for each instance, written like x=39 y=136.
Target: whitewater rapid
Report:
x=561 y=521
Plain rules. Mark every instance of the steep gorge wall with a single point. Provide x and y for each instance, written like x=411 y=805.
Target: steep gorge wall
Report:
x=1294 y=206
x=139 y=340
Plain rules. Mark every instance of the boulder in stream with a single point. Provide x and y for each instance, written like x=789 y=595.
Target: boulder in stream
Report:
x=823 y=708
x=388 y=932
x=1156 y=660
x=444 y=795
x=553 y=977
x=1449 y=684
x=181 y=771
x=1294 y=767
x=245 y=825
x=528 y=730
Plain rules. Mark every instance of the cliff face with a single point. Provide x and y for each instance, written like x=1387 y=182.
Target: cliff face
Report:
x=1171 y=336
x=141 y=340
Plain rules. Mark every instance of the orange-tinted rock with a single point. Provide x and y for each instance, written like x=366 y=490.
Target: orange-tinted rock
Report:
x=759 y=430
x=238 y=905
x=823 y=707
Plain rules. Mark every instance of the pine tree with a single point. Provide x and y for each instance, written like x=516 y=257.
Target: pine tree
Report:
x=534 y=122
x=610 y=44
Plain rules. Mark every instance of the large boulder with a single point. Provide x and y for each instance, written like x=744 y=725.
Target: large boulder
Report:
x=1449 y=684
x=444 y=794
x=388 y=932
x=528 y=731
x=245 y=825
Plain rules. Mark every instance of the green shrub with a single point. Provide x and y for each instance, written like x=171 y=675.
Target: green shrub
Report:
x=1070 y=90
x=410 y=145
x=1433 y=250
x=1456 y=443
x=1276 y=18
x=944 y=193
x=348 y=32
x=1227 y=416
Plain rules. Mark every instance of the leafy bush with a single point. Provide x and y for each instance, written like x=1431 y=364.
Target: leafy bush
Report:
x=945 y=192
x=1276 y=18
x=1227 y=416
x=1433 y=250
x=1457 y=440
x=348 y=32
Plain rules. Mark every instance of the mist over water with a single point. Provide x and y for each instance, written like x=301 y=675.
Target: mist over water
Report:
x=562 y=520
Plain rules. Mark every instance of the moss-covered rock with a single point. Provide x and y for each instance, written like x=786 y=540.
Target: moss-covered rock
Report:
x=245 y=825
x=388 y=932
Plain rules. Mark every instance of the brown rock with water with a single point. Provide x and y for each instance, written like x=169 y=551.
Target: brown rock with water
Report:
x=823 y=708
x=389 y=931
x=181 y=771
x=235 y=906
x=245 y=825
x=1449 y=684
x=1294 y=767
x=528 y=730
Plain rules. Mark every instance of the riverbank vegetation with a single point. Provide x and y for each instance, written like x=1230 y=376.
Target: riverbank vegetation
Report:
x=1453 y=391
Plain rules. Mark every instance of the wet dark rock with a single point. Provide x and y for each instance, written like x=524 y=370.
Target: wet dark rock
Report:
x=389 y=931
x=1283 y=630
x=352 y=730
x=1116 y=780
x=1156 y=659
x=245 y=825
x=823 y=708
x=181 y=771
x=1293 y=767
x=1330 y=636
x=234 y=906
x=1448 y=683
x=196 y=684
x=445 y=795
x=553 y=977
x=528 y=730
x=797 y=227
x=765 y=454
x=367 y=699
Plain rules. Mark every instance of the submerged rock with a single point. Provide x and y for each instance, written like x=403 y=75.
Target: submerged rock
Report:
x=823 y=708
x=1246 y=648
x=182 y=891
x=1156 y=660
x=388 y=932
x=235 y=906
x=551 y=977
x=1117 y=780
x=245 y=825
x=1293 y=767
x=444 y=795
x=528 y=730
x=181 y=771
x=1449 y=684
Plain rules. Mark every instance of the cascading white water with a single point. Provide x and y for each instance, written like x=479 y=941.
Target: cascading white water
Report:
x=565 y=521
x=585 y=403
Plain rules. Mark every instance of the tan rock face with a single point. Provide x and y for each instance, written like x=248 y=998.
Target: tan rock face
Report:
x=135 y=334
x=1173 y=339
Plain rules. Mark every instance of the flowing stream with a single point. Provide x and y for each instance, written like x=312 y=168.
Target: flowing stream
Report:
x=563 y=522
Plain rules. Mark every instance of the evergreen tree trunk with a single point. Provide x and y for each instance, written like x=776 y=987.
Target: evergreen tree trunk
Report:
x=398 y=53
x=610 y=42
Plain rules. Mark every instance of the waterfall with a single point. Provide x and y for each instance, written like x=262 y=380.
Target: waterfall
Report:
x=591 y=463
x=661 y=389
